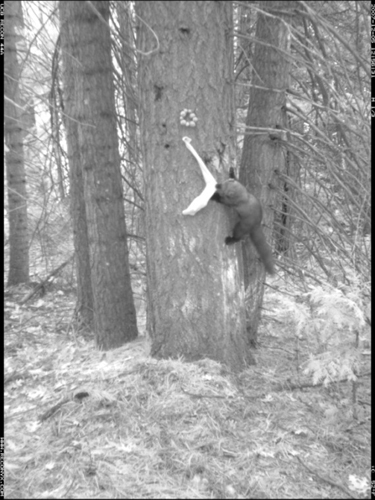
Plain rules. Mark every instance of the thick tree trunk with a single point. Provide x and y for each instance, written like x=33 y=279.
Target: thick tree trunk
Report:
x=263 y=155
x=14 y=159
x=196 y=301
x=94 y=112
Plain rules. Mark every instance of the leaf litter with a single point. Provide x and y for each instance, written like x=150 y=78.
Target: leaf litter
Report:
x=80 y=423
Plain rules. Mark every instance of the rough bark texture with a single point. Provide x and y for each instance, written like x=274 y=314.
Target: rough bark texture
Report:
x=14 y=159
x=85 y=301
x=263 y=154
x=196 y=301
x=94 y=112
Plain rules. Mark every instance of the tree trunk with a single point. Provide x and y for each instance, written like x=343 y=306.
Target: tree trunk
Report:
x=84 y=310
x=114 y=312
x=263 y=155
x=129 y=72
x=196 y=302
x=14 y=159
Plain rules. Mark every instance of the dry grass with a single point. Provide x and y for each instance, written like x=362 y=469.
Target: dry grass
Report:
x=141 y=428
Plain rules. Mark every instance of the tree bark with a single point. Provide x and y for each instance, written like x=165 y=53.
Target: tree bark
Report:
x=129 y=72
x=263 y=155
x=93 y=112
x=84 y=310
x=14 y=159
x=196 y=301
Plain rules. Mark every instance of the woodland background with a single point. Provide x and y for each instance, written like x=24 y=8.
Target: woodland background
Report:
x=141 y=420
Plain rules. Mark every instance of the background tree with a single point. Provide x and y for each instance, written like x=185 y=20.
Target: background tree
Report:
x=126 y=93
x=47 y=170
x=327 y=161
x=92 y=110
x=14 y=158
x=262 y=152
x=194 y=291
x=127 y=88
x=85 y=301
x=49 y=233
x=329 y=95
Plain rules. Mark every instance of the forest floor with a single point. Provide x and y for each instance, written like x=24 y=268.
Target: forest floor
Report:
x=80 y=423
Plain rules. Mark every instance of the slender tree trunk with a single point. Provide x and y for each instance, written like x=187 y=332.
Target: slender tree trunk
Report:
x=14 y=159
x=263 y=155
x=85 y=301
x=128 y=66
x=114 y=312
x=196 y=302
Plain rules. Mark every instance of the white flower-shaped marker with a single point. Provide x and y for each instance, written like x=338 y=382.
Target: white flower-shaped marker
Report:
x=188 y=118
x=200 y=201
